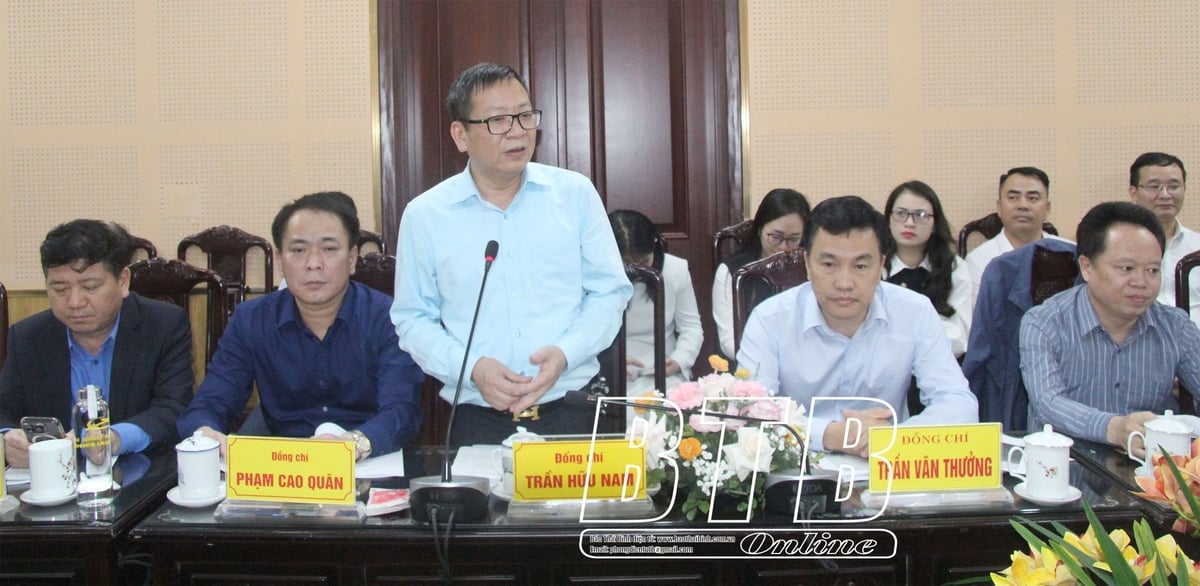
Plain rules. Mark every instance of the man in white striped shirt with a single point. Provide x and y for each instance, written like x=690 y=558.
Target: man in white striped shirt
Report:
x=1099 y=360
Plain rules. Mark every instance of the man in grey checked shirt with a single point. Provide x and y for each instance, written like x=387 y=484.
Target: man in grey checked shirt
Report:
x=1099 y=359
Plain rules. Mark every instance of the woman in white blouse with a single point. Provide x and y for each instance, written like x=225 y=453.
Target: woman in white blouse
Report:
x=924 y=260
x=778 y=226
x=638 y=241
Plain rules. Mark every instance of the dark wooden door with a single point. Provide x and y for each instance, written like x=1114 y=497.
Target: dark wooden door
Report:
x=642 y=96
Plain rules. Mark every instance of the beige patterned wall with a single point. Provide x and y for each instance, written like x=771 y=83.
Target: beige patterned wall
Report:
x=856 y=97
x=174 y=116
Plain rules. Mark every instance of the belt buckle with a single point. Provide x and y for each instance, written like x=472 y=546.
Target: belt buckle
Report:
x=530 y=413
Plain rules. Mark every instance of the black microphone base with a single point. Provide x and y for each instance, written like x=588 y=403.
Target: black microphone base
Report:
x=465 y=496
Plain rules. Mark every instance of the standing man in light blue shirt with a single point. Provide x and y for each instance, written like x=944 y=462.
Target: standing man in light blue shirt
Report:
x=846 y=335
x=555 y=293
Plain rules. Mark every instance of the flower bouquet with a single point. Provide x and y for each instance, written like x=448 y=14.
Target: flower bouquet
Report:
x=709 y=457
x=1060 y=557
x=1176 y=480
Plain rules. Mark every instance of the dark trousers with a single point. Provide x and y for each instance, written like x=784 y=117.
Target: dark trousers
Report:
x=483 y=425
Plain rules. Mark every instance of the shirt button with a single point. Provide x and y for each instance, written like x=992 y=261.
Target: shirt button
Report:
x=325 y=409
x=514 y=295
x=1118 y=385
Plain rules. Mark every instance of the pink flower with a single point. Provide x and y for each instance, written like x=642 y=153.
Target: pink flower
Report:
x=686 y=395
x=711 y=424
x=764 y=409
x=744 y=388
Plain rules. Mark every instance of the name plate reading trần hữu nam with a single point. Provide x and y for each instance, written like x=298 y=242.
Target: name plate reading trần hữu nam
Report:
x=559 y=470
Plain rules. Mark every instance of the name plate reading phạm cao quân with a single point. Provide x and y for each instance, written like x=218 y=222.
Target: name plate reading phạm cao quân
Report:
x=936 y=457
x=290 y=470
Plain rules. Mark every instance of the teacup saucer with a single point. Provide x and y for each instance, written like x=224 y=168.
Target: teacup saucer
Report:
x=498 y=490
x=1072 y=495
x=175 y=496
x=30 y=498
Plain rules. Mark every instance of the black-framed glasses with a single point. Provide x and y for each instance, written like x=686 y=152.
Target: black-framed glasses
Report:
x=776 y=239
x=1173 y=189
x=502 y=123
x=919 y=216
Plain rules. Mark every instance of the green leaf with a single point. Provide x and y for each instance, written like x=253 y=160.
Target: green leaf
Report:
x=1144 y=538
x=1034 y=543
x=1120 y=570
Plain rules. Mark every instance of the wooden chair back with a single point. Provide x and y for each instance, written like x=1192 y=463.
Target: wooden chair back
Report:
x=760 y=279
x=226 y=249
x=173 y=281
x=1053 y=271
x=370 y=242
x=377 y=271
x=730 y=239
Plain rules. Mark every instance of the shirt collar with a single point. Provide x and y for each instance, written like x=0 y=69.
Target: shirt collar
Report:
x=897 y=265
x=1089 y=320
x=111 y=339
x=465 y=188
x=813 y=317
x=289 y=313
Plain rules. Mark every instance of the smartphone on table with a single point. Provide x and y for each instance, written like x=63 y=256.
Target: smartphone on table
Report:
x=38 y=429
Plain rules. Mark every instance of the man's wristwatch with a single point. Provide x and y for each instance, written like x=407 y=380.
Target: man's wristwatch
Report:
x=362 y=444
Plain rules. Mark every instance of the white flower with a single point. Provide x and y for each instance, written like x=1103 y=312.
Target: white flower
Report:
x=752 y=452
x=652 y=430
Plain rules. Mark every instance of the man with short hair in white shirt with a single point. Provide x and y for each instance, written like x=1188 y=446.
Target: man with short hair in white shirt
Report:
x=845 y=335
x=1023 y=205
x=1158 y=182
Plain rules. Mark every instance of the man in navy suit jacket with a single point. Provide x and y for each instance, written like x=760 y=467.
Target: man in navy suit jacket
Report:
x=137 y=350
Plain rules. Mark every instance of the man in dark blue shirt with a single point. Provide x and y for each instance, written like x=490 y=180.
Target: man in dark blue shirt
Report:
x=321 y=351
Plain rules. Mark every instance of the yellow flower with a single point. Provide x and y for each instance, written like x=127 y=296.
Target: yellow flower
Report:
x=742 y=374
x=689 y=448
x=1170 y=552
x=1090 y=547
x=718 y=364
x=1044 y=569
x=1138 y=562
x=640 y=401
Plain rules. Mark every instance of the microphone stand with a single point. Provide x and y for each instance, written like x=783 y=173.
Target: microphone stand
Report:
x=442 y=498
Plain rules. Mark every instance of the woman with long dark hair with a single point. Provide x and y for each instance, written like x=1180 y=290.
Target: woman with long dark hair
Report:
x=924 y=259
x=778 y=226
x=639 y=243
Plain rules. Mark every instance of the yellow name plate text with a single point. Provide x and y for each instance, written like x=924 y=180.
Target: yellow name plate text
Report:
x=936 y=457
x=290 y=470
x=556 y=470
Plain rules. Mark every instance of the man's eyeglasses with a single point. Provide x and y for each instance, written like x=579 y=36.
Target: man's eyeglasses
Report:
x=502 y=123
x=919 y=216
x=1171 y=188
x=776 y=239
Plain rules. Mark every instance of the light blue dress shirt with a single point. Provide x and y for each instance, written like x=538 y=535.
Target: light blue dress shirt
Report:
x=1078 y=378
x=558 y=279
x=87 y=369
x=788 y=346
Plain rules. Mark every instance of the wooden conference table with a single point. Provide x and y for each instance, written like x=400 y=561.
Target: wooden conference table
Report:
x=64 y=545
x=189 y=546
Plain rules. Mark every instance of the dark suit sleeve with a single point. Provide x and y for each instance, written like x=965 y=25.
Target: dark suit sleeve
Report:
x=172 y=377
x=12 y=386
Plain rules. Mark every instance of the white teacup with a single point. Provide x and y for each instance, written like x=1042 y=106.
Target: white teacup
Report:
x=198 y=461
x=52 y=471
x=1045 y=464
x=1163 y=433
x=502 y=457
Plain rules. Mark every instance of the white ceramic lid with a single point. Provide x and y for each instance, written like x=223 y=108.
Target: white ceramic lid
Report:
x=523 y=435
x=1048 y=438
x=1168 y=424
x=198 y=443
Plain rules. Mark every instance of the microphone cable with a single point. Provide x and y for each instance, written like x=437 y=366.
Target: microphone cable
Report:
x=442 y=544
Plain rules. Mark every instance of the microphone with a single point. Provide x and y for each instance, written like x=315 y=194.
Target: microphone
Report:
x=442 y=498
